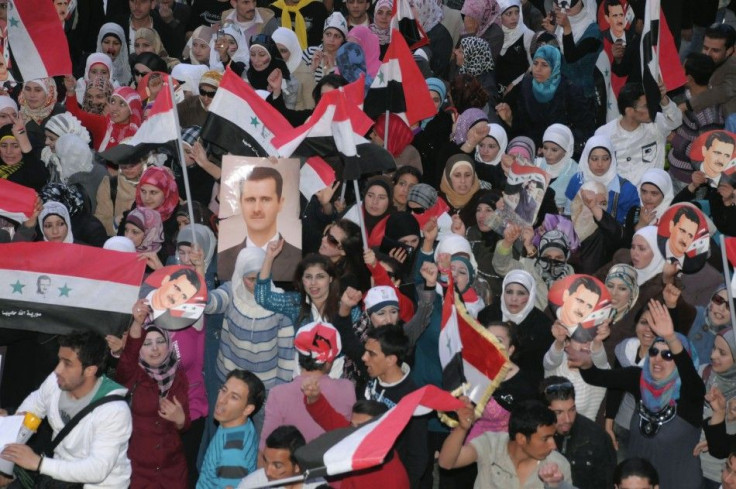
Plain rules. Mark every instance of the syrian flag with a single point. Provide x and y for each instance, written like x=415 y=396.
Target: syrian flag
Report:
x=355 y=91
x=51 y=287
x=37 y=39
x=649 y=51
x=399 y=86
x=349 y=449
x=473 y=361
x=18 y=201
x=240 y=122
x=316 y=174
x=160 y=128
x=403 y=20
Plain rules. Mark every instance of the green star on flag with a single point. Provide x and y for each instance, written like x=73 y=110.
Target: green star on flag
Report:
x=17 y=287
x=13 y=22
x=64 y=291
x=380 y=77
x=254 y=121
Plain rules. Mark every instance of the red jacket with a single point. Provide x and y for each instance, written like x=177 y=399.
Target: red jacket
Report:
x=155 y=451
x=390 y=474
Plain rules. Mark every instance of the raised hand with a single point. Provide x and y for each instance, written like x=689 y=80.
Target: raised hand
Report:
x=429 y=272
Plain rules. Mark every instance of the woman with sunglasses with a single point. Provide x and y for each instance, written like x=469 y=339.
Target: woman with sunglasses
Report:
x=193 y=109
x=342 y=244
x=669 y=392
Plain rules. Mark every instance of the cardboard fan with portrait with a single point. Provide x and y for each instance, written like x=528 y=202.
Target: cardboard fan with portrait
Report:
x=177 y=296
x=683 y=237
x=713 y=153
x=581 y=303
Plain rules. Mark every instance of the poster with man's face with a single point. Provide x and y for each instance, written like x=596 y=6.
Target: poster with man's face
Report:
x=716 y=150
x=683 y=237
x=581 y=304
x=524 y=191
x=176 y=294
x=259 y=204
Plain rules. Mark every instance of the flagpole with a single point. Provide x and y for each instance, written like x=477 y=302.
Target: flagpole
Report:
x=183 y=163
x=726 y=275
x=361 y=218
x=385 y=129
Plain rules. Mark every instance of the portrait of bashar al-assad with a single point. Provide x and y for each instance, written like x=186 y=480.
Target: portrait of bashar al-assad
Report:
x=43 y=285
x=261 y=198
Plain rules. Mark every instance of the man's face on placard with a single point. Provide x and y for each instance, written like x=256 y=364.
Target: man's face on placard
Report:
x=577 y=305
x=682 y=235
x=617 y=20
x=173 y=292
x=260 y=205
x=716 y=157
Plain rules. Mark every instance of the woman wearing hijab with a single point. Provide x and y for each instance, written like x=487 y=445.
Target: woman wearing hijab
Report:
x=322 y=59
x=149 y=367
x=157 y=190
x=622 y=284
x=98 y=65
x=460 y=184
x=55 y=127
x=558 y=145
x=111 y=41
x=381 y=25
x=513 y=57
x=483 y=238
x=655 y=196
x=199 y=48
x=146 y=63
x=252 y=337
x=547 y=97
x=469 y=129
x=55 y=223
x=598 y=164
x=479 y=19
x=264 y=59
x=97 y=95
x=148 y=41
x=79 y=168
x=368 y=42
x=351 y=64
x=143 y=227
x=230 y=51
x=291 y=52
x=433 y=132
x=38 y=102
x=123 y=118
x=492 y=147
x=18 y=162
x=87 y=228
x=670 y=396
x=521 y=305
x=473 y=57
x=376 y=207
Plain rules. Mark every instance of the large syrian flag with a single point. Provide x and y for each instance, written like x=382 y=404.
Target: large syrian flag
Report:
x=18 y=201
x=349 y=449
x=53 y=288
x=37 y=39
x=240 y=122
x=159 y=129
x=473 y=361
x=649 y=51
x=403 y=20
x=399 y=86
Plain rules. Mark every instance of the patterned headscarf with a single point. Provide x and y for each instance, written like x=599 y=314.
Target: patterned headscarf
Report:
x=148 y=221
x=164 y=373
x=467 y=119
x=384 y=35
x=628 y=275
x=69 y=195
x=371 y=46
x=38 y=115
x=105 y=86
x=163 y=179
x=477 y=57
x=483 y=11
x=351 y=61
x=658 y=394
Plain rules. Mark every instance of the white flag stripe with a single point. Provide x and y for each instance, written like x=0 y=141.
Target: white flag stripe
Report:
x=15 y=216
x=82 y=292
x=479 y=383
x=450 y=342
x=158 y=129
x=24 y=49
x=389 y=71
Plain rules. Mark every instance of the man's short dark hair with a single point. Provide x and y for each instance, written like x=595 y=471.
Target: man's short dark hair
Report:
x=586 y=282
x=527 y=416
x=700 y=67
x=393 y=341
x=689 y=214
x=259 y=173
x=286 y=437
x=629 y=96
x=90 y=347
x=722 y=31
x=190 y=275
x=721 y=136
x=636 y=467
x=611 y=3
x=556 y=388
x=369 y=407
x=256 y=389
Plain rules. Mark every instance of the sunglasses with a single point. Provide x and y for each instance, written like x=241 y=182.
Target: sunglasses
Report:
x=417 y=210
x=562 y=387
x=140 y=73
x=207 y=93
x=666 y=354
x=720 y=301
x=334 y=242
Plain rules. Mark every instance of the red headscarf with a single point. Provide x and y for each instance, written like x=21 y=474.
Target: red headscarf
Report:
x=162 y=179
x=115 y=133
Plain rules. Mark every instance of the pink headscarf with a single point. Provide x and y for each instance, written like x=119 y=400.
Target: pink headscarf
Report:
x=485 y=12
x=163 y=179
x=148 y=221
x=367 y=40
x=115 y=133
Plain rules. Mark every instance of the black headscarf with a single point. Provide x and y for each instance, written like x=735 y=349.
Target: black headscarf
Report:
x=259 y=79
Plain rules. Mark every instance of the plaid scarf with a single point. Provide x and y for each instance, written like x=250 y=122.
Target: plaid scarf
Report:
x=164 y=373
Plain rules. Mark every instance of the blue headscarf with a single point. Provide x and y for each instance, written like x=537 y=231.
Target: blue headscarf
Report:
x=351 y=62
x=435 y=85
x=545 y=90
x=658 y=394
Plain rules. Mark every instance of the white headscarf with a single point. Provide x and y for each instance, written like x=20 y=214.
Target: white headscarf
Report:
x=92 y=59
x=593 y=143
x=121 y=64
x=250 y=259
x=288 y=38
x=189 y=75
x=649 y=233
x=453 y=244
x=526 y=280
x=6 y=102
x=510 y=36
x=580 y=22
x=74 y=155
x=498 y=133
x=660 y=179
x=120 y=243
x=205 y=239
x=562 y=136
x=60 y=124
x=60 y=210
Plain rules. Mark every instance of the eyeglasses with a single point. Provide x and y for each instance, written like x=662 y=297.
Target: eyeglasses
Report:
x=331 y=239
x=666 y=354
x=140 y=73
x=207 y=93
x=720 y=301
x=561 y=388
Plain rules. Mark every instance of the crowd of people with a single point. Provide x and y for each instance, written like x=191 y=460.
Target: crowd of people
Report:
x=296 y=342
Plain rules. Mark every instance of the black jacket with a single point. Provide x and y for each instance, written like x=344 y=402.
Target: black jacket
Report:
x=590 y=452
